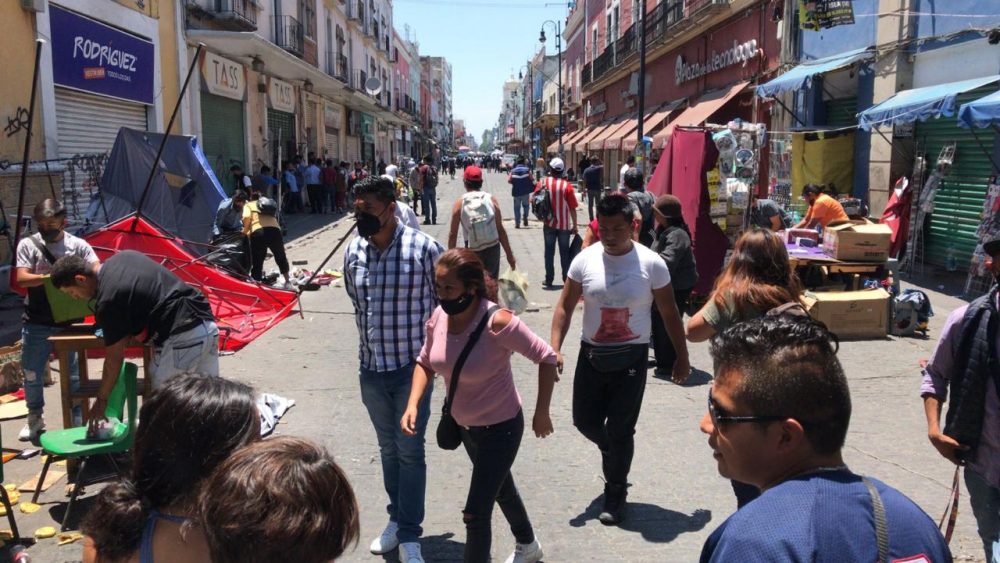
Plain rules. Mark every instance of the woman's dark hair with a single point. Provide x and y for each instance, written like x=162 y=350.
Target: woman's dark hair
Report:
x=188 y=427
x=759 y=275
x=283 y=499
x=469 y=270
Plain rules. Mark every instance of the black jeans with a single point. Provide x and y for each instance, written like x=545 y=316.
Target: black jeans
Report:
x=315 y=197
x=262 y=240
x=606 y=408
x=593 y=196
x=492 y=450
x=663 y=348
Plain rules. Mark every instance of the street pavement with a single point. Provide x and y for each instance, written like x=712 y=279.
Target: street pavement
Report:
x=677 y=497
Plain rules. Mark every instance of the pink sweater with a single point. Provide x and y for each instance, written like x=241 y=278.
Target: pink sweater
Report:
x=486 y=393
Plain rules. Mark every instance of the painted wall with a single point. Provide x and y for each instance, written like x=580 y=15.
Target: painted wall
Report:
x=17 y=27
x=942 y=17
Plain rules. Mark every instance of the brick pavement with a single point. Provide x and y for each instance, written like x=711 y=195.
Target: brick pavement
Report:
x=677 y=498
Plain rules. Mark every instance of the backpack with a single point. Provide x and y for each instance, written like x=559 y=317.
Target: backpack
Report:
x=431 y=177
x=267 y=206
x=481 y=221
x=541 y=204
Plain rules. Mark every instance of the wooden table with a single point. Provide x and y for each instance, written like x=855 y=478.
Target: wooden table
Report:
x=80 y=339
x=802 y=257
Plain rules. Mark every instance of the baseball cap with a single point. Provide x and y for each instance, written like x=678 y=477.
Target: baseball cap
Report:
x=473 y=174
x=557 y=164
x=992 y=246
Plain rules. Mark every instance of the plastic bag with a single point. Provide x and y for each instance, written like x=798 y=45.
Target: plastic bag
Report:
x=512 y=288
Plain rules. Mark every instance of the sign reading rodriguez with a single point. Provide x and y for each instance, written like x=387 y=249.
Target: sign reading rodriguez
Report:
x=92 y=56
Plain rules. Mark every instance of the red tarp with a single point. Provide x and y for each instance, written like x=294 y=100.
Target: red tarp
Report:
x=243 y=310
x=687 y=157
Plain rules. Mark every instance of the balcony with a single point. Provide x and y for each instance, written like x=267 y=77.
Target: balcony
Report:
x=289 y=35
x=358 y=79
x=336 y=66
x=230 y=15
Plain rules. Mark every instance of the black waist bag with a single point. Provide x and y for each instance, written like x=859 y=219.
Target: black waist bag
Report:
x=611 y=359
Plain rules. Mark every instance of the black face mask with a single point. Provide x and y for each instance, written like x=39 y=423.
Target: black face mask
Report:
x=452 y=307
x=368 y=224
x=50 y=235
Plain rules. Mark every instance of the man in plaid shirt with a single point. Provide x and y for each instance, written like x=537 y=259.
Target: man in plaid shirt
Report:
x=389 y=276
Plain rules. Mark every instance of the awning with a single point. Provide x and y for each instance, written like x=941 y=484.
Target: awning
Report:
x=920 y=103
x=568 y=140
x=581 y=144
x=652 y=121
x=597 y=143
x=699 y=112
x=802 y=75
x=983 y=112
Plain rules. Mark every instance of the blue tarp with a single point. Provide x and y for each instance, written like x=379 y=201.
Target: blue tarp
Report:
x=983 y=112
x=920 y=103
x=185 y=193
x=801 y=76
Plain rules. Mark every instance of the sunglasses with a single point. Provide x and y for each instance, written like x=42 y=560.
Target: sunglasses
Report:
x=719 y=415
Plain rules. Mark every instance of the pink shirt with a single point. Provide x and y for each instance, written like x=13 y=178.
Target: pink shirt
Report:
x=486 y=393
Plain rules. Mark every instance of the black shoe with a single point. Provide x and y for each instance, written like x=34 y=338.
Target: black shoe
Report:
x=547 y=285
x=427 y=222
x=614 y=504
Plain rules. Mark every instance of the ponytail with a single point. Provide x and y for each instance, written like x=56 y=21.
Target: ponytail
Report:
x=116 y=521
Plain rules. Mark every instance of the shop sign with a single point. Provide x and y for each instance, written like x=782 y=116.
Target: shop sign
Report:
x=738 y=53
x=815 y=15
x=903 y=130
x=333 y=115
x=281 y=95
x=91 y=56
x=223 y=77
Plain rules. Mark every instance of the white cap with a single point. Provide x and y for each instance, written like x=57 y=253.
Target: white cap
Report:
x=557 y=164
x=392 y=170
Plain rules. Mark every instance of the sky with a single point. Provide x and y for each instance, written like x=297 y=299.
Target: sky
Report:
x=485 y=41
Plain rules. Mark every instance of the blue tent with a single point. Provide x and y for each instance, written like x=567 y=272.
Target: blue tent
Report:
x=920 y=104
x=983 y=112
x=801 y=76
x=185 y=193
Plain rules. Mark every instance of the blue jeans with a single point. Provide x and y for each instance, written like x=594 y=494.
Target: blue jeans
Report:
x=551 y=237
x=404 y=472
x=521 y=205
x=35 y=351
x=429 y=198
x=985 y=499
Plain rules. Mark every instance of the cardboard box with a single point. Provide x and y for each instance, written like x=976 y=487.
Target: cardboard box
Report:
x=851 y=314
x=858 y=241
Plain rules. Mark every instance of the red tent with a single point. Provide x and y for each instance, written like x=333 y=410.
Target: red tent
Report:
x=243 y=310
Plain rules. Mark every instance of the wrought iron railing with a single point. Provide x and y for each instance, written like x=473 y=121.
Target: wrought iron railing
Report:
x=289 y=34
x=243 y=12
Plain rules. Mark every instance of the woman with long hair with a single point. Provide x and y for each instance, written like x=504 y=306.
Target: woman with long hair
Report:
x=758 y=278
x=486 y=404
x=187 y=428
x=282 y=499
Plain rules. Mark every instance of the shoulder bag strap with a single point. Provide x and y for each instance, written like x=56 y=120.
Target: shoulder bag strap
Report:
x=881 y=530
x=45 y=251
x=457 y=371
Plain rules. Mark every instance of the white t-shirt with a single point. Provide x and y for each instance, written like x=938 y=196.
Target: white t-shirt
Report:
x=406 y=216
x=30 y=257
x=618 y=293
x=621 y=176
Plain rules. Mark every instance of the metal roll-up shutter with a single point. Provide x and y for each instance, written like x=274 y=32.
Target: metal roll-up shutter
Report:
x=222 y=136
x=281 y=133
x=312 y=134
x=841 y=112
x=352 y=151
x=958 y=203
x=87 y=126
x=332 y=143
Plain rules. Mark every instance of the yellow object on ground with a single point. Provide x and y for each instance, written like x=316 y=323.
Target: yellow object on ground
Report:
x=29 y=507
x=45 y=532
x=6 y=535
x=69 y=537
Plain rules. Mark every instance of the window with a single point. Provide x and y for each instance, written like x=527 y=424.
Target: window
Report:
x=607 y=32
x=593 y=43
x=307 y=15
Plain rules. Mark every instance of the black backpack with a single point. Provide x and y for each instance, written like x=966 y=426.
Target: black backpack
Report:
x=541 y=204
x=431 y=177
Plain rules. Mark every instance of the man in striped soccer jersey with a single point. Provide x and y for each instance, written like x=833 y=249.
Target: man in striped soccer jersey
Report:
x=561 y=226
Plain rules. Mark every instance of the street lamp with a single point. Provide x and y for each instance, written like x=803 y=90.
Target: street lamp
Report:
x=541 y=39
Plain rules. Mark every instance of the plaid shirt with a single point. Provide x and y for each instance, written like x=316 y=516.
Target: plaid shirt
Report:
x=393 y=295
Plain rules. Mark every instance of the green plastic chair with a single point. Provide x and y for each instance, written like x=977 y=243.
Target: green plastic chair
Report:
x=73 y=442
x=5 y=498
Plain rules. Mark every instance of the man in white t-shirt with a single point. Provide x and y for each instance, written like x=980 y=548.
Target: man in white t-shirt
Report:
x=619 y=281
x=629 y=165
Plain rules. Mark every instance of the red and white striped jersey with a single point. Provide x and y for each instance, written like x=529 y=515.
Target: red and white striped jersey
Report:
x=563 y=202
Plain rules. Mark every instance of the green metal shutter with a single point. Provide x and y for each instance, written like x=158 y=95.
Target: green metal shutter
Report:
x=841 y=112
x=222 y=136
x=958 y=203
x=281 y=133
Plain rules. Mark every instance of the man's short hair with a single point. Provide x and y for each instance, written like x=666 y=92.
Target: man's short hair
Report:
x=790 y=368
x=265 y=169
x=48 y=208
x=236 y=168
x=239 y=195
x=429 y=159
x=616 y=204
x=521 y=160
x=65 y=270
x=634 y=180
x=812 y=189
x=630 y=161
x=383 y=189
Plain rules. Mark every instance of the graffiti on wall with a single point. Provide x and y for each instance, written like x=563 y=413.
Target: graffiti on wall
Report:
x=17 y=122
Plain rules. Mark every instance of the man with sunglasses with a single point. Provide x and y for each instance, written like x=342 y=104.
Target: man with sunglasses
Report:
x=778 y=413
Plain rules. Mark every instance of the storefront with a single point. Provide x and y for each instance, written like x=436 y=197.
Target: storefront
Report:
x=104 y=80
x=281 y=127
x=333 y=117
x=223 y=119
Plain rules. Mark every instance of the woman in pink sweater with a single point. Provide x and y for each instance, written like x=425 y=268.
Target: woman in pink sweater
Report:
x=486 y=405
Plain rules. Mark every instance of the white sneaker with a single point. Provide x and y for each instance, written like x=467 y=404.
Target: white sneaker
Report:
x=387 y=541
x=526 y=553
x=409 y=552
x=33 y=429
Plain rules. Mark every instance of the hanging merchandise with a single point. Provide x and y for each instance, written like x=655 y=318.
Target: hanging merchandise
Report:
x=988 y=229
x=780 y=170
x=733 y=179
